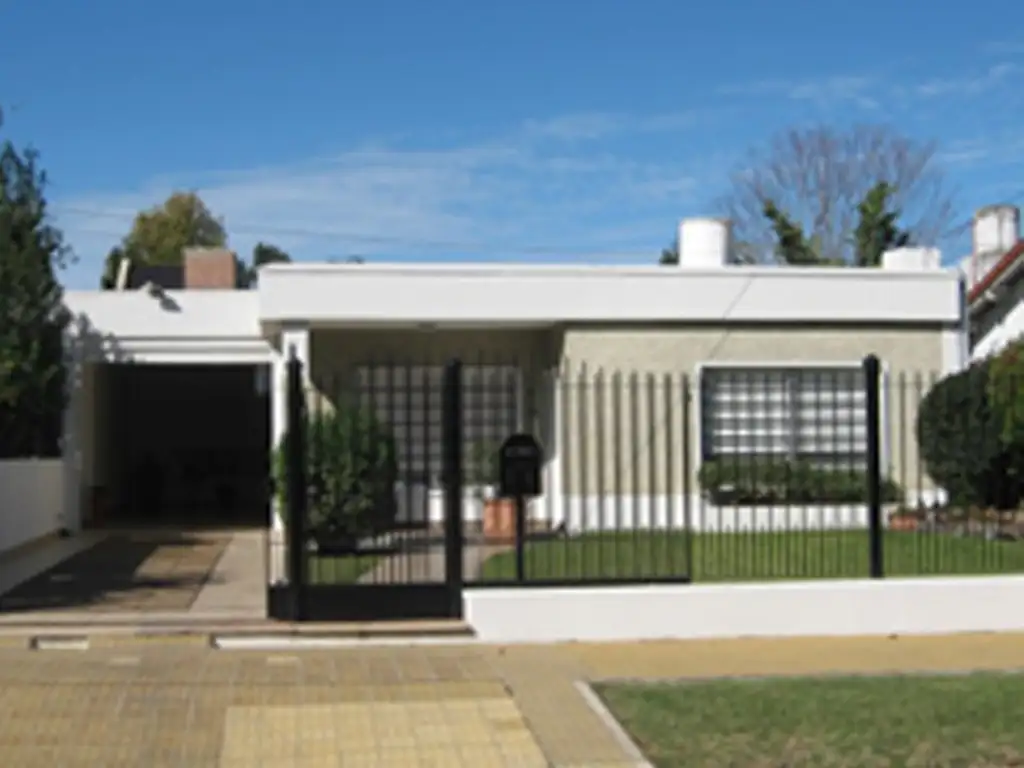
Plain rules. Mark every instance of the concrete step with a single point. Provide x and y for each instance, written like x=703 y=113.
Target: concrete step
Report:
x=226 y=634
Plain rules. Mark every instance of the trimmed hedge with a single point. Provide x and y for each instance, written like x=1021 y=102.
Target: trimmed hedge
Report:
x=754 y=482
x=960 y=434
x=1006 y=393
x=351 y=470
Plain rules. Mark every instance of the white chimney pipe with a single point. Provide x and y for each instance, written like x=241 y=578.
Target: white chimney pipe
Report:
x=704 y=242
x=122 y=274
x=996 y=230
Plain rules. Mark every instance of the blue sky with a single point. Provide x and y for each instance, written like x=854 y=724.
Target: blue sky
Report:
x=528 y=130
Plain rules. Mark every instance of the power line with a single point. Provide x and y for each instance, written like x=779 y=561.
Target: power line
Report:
x=465 y=246
x=959 y=229
x=360 y=237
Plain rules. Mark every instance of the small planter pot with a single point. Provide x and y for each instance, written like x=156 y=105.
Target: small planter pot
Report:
x=499 y=519
x=903 y=522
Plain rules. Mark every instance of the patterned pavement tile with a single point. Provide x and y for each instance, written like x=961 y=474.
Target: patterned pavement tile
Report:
x=164 y=706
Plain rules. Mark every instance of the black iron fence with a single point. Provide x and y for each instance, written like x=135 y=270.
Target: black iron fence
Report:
x=730 y=474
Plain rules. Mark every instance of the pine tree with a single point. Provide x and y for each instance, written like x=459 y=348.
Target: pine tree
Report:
x=32 y=315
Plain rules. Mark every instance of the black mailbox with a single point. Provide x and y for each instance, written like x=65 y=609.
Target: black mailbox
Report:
x=519 y=466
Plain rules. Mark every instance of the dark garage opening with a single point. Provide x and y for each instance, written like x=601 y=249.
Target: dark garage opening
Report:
x=187 y=445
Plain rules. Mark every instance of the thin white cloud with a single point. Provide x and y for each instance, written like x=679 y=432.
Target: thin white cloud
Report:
x=1003 y=47
x=971 y=85
x=550 y=188
x=517 y=193
x=828 y=91
x=872 y=93
x=598 y=125
x=1001 y=149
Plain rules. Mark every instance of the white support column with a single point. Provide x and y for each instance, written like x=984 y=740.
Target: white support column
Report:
x=71 y=448
x=297 y=338
x=558 y=512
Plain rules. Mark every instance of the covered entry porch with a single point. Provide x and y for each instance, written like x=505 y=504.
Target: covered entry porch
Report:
x=509 y=385
x=378 y=406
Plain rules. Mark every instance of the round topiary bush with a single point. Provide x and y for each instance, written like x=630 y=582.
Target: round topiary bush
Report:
x=351 y=471
x=1006 y=393
x=958 y=435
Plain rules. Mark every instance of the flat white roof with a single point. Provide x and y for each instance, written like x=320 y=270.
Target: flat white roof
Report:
x=511 y=295
x=515 y=293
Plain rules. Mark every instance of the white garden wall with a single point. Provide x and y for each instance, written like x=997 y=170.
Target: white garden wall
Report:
x=817 y=608
x=31 y=500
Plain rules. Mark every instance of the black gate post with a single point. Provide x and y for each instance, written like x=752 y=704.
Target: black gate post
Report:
x=873 y=416
x=296 y=487
x=451 y=470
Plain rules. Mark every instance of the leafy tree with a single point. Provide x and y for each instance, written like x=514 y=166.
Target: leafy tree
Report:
x=792 y=247
x=262 y=253
x=32 y=317
x=161 y=234
x=820 y=177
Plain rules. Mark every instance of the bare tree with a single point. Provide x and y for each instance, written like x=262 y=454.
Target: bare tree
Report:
x=819 y=177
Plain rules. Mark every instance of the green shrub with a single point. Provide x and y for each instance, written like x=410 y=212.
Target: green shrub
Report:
x=351 y=470
x=1006 y=393
x=758 y=481
x=961 y=445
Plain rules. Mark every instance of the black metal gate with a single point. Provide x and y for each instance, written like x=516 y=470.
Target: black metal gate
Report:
x=369 y=479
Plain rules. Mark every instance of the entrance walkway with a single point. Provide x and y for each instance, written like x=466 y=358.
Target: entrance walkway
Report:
x=172 y=703
x=136 y=573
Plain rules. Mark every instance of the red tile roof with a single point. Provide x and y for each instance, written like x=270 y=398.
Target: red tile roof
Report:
x=1001 y=267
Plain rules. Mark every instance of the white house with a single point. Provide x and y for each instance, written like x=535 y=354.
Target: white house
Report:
x=201 y=369
x=995 y=280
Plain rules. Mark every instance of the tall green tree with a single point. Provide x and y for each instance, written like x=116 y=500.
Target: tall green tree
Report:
x=791 y=246
x=262 y=253
x=821 y=176
x=877 y=231
x=32 y=316
x=877 y=228
x=161 y=234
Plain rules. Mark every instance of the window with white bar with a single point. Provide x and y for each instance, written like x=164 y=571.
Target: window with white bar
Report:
x=409 y=400
x=813 y=414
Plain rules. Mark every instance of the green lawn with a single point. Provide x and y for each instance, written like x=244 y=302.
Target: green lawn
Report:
x=754 y=556
x=972 y=720
x=340 y=570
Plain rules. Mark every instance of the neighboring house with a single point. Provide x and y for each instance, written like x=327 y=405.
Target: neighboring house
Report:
x=995 y=280
x=715 y=328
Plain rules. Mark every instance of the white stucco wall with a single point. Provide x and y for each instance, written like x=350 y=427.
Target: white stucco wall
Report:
x=31 y=500
x=181 y=326
x=999 y=324
x=685 y=612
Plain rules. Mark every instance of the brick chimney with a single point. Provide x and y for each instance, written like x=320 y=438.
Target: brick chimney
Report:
x=210 y=268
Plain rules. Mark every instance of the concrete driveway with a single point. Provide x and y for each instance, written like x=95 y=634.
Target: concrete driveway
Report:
x=137 y=572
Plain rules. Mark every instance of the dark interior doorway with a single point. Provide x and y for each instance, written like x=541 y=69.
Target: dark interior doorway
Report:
x=187 y=444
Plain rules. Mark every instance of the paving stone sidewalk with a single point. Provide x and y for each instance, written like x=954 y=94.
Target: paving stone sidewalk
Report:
x=163 y=704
